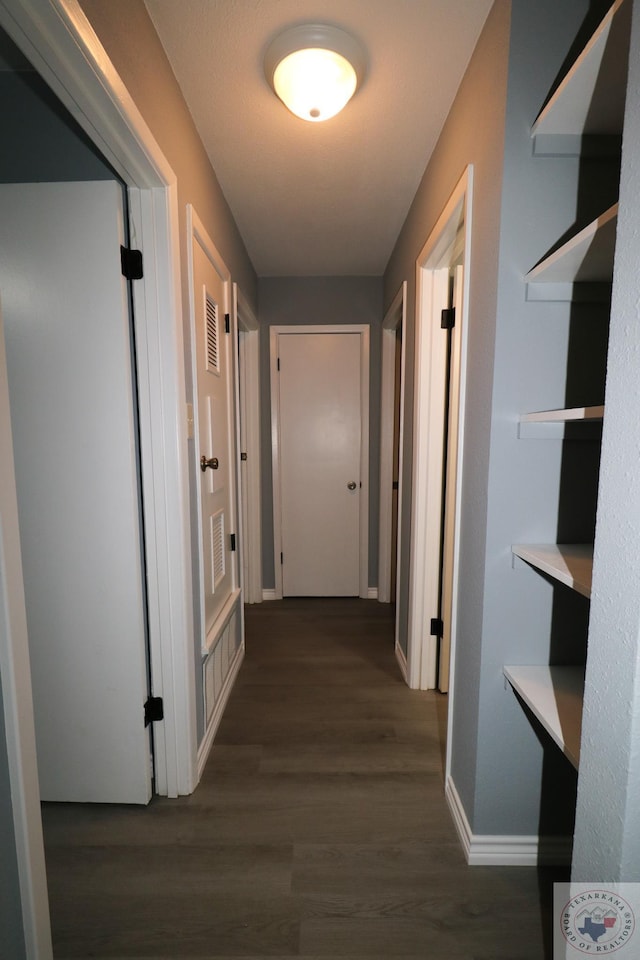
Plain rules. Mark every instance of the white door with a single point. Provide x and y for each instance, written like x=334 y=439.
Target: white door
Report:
x=216 y=451
x=320 y=446
x=71 y=383
x=450 y=480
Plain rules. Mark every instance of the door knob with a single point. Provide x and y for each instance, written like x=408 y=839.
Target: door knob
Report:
x=352 y=485
x=212 y=463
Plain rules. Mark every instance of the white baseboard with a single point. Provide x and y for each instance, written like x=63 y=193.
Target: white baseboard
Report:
x=402 y=661
x=269 y=594
x=372 y=593
x=499 y=851
x=216 y=716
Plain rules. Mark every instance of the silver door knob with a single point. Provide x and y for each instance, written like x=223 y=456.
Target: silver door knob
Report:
x=212 y=463
x=352 y=485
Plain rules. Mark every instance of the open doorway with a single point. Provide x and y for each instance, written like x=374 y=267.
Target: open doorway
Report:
x=61 y=43
x=442 y=271
x=391 y=446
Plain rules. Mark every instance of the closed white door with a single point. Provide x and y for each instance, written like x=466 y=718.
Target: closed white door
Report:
x=71 y=386
x=320 y=438
x=215 y=448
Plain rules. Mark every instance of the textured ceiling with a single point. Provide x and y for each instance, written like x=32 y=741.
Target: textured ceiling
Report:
x=322 y=199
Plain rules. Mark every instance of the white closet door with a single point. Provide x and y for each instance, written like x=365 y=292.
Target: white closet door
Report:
x=69 y=358
x=320 y=456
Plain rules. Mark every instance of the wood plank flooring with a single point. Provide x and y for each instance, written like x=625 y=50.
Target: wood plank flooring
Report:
x=319 y=828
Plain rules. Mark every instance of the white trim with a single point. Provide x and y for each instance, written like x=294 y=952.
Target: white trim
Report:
x=402 y=661
x=275 y=332
x=372 y=593
x=395 y=318
x=489 y=850
x=432 y=267
x=214 y=723
x=250 y=469
x=270 y=594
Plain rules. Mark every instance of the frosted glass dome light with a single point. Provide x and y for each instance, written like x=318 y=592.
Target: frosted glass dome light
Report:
x=315 y=70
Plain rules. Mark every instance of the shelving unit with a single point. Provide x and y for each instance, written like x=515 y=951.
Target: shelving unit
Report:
x=587 y=105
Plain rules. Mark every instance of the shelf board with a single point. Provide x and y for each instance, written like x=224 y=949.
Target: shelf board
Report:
x=586 y=258
x=569 y=415
x=554 y=695
x=568 y=563
x=590 y=99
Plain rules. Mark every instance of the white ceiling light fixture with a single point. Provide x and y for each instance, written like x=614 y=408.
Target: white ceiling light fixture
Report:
x=315 y=69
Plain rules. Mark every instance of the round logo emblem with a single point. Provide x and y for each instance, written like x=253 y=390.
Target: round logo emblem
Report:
x=597 y=921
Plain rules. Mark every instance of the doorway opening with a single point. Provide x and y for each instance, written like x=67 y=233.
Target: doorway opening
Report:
x=391 y=450
x=442 y=294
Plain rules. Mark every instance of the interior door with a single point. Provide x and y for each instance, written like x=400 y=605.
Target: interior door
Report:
x=320 y=435
x=450 y=479
x=214 y=361
x=72 y=398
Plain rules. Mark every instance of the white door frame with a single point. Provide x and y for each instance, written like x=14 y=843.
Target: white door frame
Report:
x=250 y=478
x=363 y=330
x=430 y=377
x=394 y=319
x=60 y=42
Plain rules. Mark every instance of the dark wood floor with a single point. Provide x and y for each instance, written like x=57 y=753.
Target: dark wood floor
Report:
x=319 y=829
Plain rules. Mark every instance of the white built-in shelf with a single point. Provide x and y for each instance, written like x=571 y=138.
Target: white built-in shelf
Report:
x=587 y=257
x=569 y=563
x=554 y=695
x=590 y=99
x=570 y=415
x=575 y=423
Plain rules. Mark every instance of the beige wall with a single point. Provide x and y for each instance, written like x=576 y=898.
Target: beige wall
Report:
x=473 y=134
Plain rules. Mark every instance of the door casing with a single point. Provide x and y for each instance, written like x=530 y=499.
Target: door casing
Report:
x=432 y=268
x=394 y=320
x=363 y=331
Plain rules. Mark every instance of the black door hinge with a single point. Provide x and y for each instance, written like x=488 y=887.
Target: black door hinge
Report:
x=227 y=323
x=243 y=456
x=131 y=263
x=395 y=485
x=153 y=710
x=281 y=558
x=278 y=363
x=233 y=541
x=437 y=627
x=448 y=318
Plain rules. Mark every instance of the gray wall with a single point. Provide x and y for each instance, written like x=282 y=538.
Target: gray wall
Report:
x=12 y=945
x=473 y=133
x=523 y=784
x=513 y=490
x=320 y=300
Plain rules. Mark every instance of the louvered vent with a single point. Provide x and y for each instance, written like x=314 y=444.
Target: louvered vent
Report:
x=213 y=360
x=217 y=548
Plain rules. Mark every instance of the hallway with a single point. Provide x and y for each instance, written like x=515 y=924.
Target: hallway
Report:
x=319 y=829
